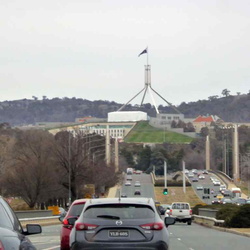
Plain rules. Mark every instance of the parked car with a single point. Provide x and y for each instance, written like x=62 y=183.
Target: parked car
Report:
x=110 y=223
x=12 y=234
x=182 y=212
x=74 y=211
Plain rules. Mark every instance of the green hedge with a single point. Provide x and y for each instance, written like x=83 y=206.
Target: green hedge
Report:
x=239 y=218
x=170 y=183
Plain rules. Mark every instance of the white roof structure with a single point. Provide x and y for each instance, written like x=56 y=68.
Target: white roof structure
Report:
x=127 y=116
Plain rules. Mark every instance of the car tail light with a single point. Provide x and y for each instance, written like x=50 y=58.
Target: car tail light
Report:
x=66 y=224
x=85 y=226
x=153 y=226
x=170 y=212
x=190 y=212
x=1 y=246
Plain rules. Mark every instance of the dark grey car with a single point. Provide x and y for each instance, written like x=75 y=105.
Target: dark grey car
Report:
x=131 y=223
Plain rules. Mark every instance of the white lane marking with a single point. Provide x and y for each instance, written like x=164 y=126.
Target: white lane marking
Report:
x=191 y=248
x=51 y=248
x=178 y=238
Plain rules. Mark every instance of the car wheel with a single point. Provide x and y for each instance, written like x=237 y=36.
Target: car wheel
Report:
x=189 y=222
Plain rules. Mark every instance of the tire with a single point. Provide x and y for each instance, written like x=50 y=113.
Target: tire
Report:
x=189 y=222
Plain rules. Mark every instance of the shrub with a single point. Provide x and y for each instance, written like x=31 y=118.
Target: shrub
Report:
x=226 y=212
x=241 y=218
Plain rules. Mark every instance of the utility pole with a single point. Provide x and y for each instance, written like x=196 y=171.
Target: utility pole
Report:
x=69 y=168
x=116 y=155
x=107 y=146
x=165 y=174
x=235 y=154
x=184 y=177
x=207 y=153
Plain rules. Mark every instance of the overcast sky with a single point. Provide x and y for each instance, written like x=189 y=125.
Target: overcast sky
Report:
x=89 y=48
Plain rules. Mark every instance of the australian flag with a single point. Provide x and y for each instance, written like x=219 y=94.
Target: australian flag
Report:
x=144 y=51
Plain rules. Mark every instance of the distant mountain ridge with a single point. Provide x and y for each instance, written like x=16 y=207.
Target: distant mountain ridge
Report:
x=30 y=111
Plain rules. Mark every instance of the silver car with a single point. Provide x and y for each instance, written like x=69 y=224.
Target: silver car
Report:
x=117 y=223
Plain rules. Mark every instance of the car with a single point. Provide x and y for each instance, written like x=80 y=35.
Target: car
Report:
x=190 y=175
x=111 y=223
x=137 y=184
x=12 y=234
x=201 y=177
x=216 y=201
x=167 y=210
x=186 y=171
x=216 y=183
x=226 y=201
x=227 y=193
x=239 y=201
x=62 y=211
x=181 y=211
x=137 y=192
x=199 y=188
x=123 y=195
x=205 y=172
x=74 y=211
x=127 y=183
x=223 y=187
x=129 y=178
x=138 y=172
x=247 y=201
x=195 y=180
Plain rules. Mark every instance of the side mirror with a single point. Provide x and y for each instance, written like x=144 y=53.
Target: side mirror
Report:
x=169 y=221
x=61 y=218
x=72 y=220
x=33 y=229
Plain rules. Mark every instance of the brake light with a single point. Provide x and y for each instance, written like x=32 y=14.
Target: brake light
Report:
x=153 y=226
x=1 y=245
x=190 y=212
x=84 y=226
x=65 y=222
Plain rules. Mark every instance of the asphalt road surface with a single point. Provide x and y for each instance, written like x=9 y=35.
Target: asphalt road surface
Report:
x=205 y=183
x=182 y=237
x=146 y=188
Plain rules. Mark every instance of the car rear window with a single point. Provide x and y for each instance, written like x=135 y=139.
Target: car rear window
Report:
x=123 y=211
x=76 y=209
x=180 y=206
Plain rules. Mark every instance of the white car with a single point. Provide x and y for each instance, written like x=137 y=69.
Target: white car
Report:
x=199 y=188
x=137 y=184
x=127 y=183
x=190 y=175
x=201 y=177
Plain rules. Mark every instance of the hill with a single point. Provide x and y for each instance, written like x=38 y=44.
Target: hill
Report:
x=30 y=111
x=144 y=133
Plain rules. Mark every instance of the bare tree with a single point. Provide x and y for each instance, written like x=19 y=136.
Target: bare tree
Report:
x=30 y=172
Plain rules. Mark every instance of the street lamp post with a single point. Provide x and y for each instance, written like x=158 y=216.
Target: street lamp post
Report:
x=69 y=170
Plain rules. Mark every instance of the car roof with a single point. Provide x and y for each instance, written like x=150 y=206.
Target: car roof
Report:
x=79 y=201
x=120 y=201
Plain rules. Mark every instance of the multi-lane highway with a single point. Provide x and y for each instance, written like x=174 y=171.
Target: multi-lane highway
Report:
x=206 y=184
x=146 y=188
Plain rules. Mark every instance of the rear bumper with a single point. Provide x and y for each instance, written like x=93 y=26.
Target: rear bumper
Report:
x=161 y=245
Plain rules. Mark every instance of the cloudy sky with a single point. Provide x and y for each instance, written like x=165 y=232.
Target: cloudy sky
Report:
x=89 y=48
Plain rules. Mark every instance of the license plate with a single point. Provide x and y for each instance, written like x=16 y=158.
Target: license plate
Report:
x=119 y=233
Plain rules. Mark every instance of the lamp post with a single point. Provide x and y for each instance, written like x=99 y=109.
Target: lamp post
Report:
x=69 y=169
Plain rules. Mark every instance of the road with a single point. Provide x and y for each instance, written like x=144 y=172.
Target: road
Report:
x=182 y=237
x=206 y=183
x=196 y=237
x=147 y=187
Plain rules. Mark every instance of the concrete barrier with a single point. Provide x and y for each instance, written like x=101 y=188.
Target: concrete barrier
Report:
x=211 y=213
x=33 y=213
x=207 y=221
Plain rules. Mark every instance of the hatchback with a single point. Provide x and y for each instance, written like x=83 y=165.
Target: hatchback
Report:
x=12 y=235
x=114 y=223
x=74 y=211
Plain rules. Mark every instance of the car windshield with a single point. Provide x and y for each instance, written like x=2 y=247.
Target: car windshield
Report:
x=121 y=211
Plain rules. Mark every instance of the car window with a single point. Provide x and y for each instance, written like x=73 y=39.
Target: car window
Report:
x=123 y=211
x=180 y=206
x=5 y=220
x=12 y=216
x=76 y=209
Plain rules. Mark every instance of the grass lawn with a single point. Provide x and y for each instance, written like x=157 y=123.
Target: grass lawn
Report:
x=176 y=194
x=144 y=133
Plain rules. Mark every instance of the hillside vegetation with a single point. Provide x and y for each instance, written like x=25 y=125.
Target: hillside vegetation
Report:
x=144 y=133
x=29 y=111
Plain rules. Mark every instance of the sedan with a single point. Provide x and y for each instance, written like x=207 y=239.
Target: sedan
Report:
x=74 y=211
x=201 y=177
x=127 y=183
x=195 y=180
x=110 y=223
x=137 y=192
x=137 y=184
x=199 y=188
x=12 y=235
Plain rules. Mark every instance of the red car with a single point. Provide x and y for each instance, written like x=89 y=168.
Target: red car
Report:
x=74 y=210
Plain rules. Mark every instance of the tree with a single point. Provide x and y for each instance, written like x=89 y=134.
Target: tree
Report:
x=30 y=172
x=74 y=154
x=225 y=92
